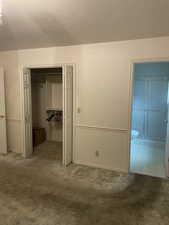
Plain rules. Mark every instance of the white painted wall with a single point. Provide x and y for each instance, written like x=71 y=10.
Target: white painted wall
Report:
x=103 y=94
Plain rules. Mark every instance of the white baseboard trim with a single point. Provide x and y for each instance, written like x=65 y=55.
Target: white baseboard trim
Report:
x=13 y=150
x=78 y=162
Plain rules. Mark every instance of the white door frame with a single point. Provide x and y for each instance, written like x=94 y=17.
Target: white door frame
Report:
x=22 y=102
x=3 y=119
x=132 y=63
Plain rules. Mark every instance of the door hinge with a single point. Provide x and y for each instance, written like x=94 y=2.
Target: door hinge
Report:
x=27 y=118
x=26 y=79
x=26 y=85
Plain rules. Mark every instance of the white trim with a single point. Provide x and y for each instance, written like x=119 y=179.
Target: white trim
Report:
x=21 y=105
x=150 y=60
x=130 y=111
x=74 y=110
x=63 y=116
x=13 y=119
x=102 y=128
x=22 y=120
x=94 y=165
x=3 y=121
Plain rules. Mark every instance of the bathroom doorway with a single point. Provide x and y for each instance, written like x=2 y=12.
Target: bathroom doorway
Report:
x=150 y=98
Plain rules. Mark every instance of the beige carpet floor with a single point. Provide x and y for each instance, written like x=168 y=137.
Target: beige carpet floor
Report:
x=39 y=191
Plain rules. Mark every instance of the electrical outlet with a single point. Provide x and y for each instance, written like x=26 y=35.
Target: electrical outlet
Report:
x=97 y=153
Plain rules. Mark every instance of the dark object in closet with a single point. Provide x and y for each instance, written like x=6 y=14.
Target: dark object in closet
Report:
x=39 y=136
x=50 y=117
x=55 y=115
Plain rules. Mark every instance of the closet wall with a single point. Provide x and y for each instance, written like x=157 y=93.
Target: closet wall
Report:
x=47 y=95
x=38 y=105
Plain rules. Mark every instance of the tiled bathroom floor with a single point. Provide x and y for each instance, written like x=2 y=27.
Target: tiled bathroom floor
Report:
x=147 y=158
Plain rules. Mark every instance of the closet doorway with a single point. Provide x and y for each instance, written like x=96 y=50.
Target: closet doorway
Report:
x=149 y=149
x=48 y=112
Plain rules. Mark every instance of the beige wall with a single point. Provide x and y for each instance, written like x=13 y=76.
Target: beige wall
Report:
x=103 y=83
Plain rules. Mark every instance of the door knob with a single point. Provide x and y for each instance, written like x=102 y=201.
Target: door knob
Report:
x=2 y=117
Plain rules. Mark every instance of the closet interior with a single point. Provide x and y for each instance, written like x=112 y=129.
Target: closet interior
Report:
x=47 y=111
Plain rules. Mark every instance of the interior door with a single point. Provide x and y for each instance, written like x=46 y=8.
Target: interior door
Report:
x=150 y=108
x=28 y=147
x=139 y=105
x=3 y=137
x=67 y=115
x=157 y=109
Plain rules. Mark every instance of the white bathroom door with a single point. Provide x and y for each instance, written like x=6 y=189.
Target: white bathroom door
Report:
x=67 y=115
x=3 y=136
x=27 y=108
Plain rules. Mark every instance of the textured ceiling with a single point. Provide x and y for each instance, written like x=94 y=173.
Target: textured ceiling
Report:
x=43 y=23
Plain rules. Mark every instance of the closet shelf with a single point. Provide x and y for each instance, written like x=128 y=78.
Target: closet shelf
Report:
x=52 y=108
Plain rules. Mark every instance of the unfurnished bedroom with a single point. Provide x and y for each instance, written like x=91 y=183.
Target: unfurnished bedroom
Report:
x=84 y=93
